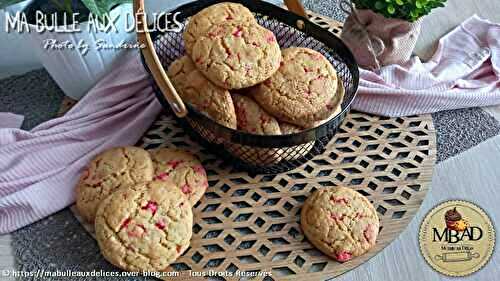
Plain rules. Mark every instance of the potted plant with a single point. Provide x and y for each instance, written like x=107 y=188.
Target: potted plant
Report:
x=384 y=32
x=67 y=37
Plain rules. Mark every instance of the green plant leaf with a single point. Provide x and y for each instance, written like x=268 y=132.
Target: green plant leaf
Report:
x=409 y=10
x=6 y=3
x=390 y=9
x=379 y=5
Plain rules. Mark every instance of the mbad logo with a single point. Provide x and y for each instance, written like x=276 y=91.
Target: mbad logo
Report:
x=457 y=238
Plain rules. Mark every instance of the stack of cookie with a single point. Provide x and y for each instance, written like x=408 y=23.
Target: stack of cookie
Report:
x=235 y=73
x=141 y=204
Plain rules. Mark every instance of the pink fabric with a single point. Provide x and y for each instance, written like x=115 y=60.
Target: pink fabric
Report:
x=464 y=72
x=39 y=168
x=10 y=120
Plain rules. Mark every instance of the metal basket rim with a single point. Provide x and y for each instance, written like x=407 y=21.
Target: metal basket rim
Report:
x=289 y=18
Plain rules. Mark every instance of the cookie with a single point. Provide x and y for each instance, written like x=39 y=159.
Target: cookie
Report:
x=195 y=89
x=302 y=91
x=200 y=23
x=288 y=129
x=336 y=111
x=107 y=172
x=237 y=55
x=183 y=168
x=251 y=118
x=340 y=222
x=144 y=228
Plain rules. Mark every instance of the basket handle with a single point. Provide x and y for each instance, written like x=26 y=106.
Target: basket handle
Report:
x=296 y=7
x=154 y=64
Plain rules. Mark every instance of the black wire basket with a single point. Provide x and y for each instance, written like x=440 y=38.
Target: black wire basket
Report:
x=267 y=154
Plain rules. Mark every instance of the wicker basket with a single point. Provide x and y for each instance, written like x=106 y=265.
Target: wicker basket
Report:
x=258 y=153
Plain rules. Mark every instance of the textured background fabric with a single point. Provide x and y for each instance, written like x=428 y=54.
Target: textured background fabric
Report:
x=34 y=95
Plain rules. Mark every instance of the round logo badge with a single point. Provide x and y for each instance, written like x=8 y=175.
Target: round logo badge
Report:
x=457 y=238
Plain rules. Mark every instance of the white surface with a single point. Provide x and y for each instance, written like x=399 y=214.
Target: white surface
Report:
x=493 y=111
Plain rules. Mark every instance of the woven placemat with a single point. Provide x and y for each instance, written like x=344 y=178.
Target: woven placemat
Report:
x=251 y=223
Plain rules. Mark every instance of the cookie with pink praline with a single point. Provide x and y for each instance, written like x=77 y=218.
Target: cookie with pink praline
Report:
x=183 y=169
x=201 y=23
x=251 y=118
x=237 y=55
x=302 y=91
x=195 y=89
x=144 y=228
x=340 y=222
x=115 y=168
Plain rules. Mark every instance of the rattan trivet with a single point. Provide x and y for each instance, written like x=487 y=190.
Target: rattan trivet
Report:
x=251 y=222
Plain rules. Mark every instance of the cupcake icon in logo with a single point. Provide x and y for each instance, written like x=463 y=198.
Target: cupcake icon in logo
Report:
x=454 y=220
